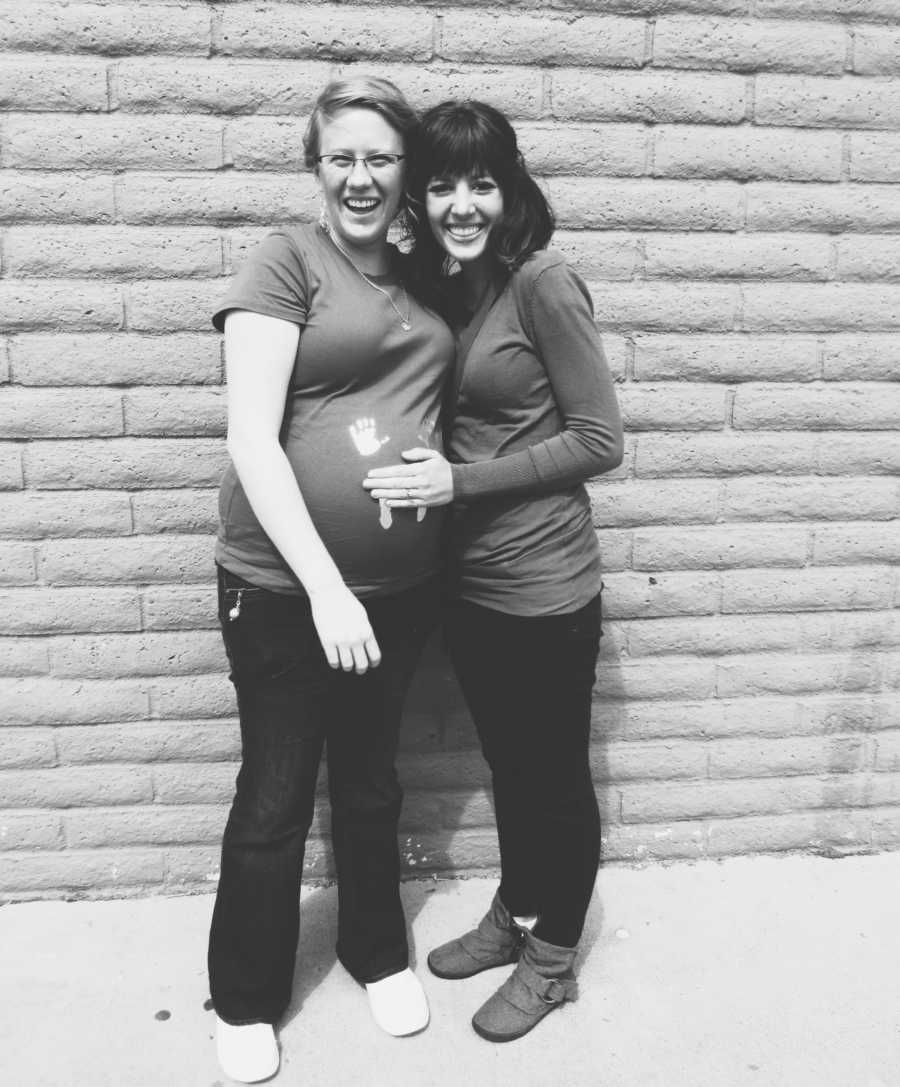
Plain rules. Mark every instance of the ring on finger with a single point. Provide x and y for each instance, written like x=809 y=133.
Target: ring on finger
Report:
x=409 y=492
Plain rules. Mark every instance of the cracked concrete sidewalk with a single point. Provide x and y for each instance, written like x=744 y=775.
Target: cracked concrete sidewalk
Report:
x=750 y=972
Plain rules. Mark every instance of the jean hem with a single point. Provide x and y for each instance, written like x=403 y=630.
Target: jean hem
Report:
x=363 y=978
x=247 y=1022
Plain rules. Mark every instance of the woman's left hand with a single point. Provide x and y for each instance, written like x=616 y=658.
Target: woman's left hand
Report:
x=425 y=480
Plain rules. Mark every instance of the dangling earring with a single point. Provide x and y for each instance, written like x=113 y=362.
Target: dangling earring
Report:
x=401 y=228
x=324 y=221
x=408 y=221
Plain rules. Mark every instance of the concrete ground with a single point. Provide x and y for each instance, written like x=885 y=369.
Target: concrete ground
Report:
x=755 y=971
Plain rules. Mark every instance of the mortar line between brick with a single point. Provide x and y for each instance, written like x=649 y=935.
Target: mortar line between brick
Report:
x=820 y=359
x=115 y=182
x=215 y=31
x=142 y=606
x=6 y=357
x=112 y=88
x=649 y=41
x=546 y=93
x=437 y=37
x=846 y=156
x=730 y=395
x=649 y=150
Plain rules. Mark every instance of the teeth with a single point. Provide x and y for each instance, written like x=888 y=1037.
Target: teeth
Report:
x=361 y=205
x=464 y=231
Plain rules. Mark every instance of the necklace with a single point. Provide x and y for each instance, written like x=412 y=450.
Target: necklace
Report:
x=405 y=322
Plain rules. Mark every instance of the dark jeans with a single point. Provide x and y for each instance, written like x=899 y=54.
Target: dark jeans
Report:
x=291 y=703
x=527 y=681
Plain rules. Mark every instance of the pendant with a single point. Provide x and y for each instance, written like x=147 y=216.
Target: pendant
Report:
x=405 y=325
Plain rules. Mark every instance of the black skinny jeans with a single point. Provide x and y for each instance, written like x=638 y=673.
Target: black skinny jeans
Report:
x=291 y=703
x=527 y=681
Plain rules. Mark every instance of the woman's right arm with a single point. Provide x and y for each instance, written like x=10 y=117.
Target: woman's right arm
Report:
x=260 y=353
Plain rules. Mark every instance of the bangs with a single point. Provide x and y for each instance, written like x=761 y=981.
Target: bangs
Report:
x=463 y=147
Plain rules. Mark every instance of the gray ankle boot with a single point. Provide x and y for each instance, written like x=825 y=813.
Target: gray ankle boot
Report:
x=496 y=942
x=542 y=980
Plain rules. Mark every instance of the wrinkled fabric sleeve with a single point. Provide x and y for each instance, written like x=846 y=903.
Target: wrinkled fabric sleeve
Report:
x=556 y=307
x=273 y=281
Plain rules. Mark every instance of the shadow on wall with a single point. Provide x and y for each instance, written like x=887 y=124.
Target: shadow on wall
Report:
x=447 y=826
x=447 y=820
x=603 y=728
x=848 y=751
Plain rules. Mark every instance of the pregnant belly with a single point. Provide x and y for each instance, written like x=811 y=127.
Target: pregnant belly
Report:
x=374 y=547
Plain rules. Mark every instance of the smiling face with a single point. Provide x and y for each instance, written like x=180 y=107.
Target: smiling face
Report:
x=361 y=202
x=462 y=212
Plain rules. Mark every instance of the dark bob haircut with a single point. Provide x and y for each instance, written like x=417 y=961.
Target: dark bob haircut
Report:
x=468 y=138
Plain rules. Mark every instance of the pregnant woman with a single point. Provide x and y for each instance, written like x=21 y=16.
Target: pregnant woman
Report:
x=324 y=599
x=535 y=415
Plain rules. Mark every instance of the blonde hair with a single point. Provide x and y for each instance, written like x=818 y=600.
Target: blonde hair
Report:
x=360 y=92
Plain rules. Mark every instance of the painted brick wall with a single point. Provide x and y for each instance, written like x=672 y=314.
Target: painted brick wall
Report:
x=724 y=173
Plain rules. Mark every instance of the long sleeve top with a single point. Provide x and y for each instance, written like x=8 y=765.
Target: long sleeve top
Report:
x=536 y=415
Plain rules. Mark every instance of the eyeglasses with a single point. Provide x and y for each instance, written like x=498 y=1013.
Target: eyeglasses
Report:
x=374 y=164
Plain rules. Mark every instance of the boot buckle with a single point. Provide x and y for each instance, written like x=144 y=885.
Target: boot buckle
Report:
x=557 y=992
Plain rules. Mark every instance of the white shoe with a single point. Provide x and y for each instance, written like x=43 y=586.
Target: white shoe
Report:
x=398 y=1002
x=247 y=1053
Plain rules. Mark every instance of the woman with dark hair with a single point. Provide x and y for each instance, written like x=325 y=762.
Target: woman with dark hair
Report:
x=324 y=602
x=533 y=415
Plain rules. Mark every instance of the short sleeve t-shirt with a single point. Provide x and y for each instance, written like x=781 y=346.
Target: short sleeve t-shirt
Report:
x=362 y=390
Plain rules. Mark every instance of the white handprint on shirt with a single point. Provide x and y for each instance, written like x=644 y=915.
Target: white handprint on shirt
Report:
x=426 y=432
x=367 y=442
x=364 y=437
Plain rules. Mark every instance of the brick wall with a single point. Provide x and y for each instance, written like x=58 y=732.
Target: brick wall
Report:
x=724 y=176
